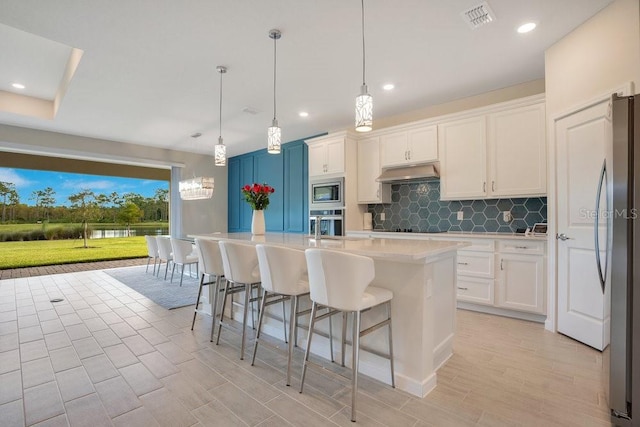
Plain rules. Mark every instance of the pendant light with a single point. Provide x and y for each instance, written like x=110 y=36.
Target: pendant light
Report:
x=364 y=101
x=274 y=134
x=220 y=153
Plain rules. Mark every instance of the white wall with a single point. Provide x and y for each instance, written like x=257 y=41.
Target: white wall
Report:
x=599 y=56
x=199 y=216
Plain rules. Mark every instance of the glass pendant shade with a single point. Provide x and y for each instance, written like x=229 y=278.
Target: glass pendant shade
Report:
x=274 y=136
x=364 y=101
x=364 y=111
x=220 y=150
x=220 y=153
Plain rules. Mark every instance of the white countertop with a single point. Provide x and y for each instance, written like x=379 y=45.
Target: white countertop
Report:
x=449 y=234
x=399 y=249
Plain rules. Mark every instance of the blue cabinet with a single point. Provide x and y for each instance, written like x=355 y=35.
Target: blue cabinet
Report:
x=296 y=189
x=287 y=173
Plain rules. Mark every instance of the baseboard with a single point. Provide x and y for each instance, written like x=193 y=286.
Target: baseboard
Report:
x=443 y=352
x=538 y=318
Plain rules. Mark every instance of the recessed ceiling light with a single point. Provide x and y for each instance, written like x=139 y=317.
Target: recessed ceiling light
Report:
x=18 y=85
x=388 y=86
x=525 y=28
x=303 y=114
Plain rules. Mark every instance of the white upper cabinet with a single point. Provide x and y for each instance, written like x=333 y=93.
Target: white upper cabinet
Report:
x=462 y=147
x=326 y=156
x=409 y=147
x=369 y=190
x=500 y=154
x=517 y=152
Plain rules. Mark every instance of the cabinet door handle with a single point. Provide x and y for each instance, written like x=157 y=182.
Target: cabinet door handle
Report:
x=522 y=247
x=409 y=154
x=378 y=193
x=463 y=263
x=463 y=289
x=493 y=186
x=484 y=187
x=405 y=155
x=501 y=261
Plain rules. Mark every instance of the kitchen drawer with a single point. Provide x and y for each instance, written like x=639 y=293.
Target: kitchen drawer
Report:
x=477 y=244
x=478 y=264
x=480 y=245
x=477 y=291
x=522 y=247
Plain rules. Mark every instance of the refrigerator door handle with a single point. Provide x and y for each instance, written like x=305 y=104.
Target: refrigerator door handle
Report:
x=596 y=223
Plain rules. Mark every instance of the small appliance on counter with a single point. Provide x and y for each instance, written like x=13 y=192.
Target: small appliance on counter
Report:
x=367 y=221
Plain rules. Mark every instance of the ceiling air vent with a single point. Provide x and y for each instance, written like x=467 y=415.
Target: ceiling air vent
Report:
x=478 y=15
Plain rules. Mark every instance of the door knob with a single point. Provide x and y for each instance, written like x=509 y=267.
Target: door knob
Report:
x=562 y=236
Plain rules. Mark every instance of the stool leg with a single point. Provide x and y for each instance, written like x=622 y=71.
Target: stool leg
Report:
x=148 y=261
x=214 y=307
x=173 y=270
x=393 y=376
x=195 y=311
x=182 y=274
x=331 y=337
x=255 y=344
x=253 y=321
x=354 y=363
x=245 y=316
x=312 y=322
x=293 y=323
x=344 y=335
x=284 y=321
x=224 y=303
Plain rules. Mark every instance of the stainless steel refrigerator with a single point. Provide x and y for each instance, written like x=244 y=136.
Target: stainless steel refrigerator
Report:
x=621 y=176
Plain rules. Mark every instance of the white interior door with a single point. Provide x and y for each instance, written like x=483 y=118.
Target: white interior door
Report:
x=582 y=139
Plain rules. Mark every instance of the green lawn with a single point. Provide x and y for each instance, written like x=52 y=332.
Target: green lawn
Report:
x=49 y=252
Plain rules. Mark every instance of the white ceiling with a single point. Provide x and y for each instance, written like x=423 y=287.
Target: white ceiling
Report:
x=148 y=74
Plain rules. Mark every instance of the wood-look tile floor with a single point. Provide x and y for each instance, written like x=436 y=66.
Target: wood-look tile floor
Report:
x=108 y=356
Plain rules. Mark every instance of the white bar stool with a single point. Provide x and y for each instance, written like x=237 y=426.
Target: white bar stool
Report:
x=165 y=252
x=341 y=281
x=210 y=262
x=183 y=254
x=242 y=274
x=284 y=276
x=152 y=250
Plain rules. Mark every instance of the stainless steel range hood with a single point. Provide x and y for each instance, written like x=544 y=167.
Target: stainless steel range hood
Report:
x=407 y=173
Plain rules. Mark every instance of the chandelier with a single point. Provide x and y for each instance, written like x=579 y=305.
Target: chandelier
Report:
x=196 y=188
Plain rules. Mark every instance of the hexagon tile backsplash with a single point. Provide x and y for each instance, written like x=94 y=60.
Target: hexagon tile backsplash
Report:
x=417 y=206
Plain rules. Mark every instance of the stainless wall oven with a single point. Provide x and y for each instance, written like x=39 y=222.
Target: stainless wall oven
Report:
x=331 y=222
x=326 y=194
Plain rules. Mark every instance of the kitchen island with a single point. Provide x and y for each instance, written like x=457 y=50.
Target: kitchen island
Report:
x=422 y=277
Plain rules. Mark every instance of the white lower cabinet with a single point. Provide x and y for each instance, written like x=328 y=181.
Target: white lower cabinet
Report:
x=521 y=281
x=507 y=274
x=475 y=290
x=498 y=276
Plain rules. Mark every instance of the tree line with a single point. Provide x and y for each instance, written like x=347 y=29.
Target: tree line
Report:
x=85 y=205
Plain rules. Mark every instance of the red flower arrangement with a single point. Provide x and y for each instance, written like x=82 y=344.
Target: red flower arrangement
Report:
x=257 y=195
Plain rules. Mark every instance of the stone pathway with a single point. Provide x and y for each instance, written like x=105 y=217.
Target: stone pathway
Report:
x=69 y=268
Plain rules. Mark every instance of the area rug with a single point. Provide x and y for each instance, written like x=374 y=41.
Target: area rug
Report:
x=162 y=292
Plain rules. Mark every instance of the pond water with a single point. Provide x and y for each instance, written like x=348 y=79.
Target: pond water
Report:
x=105 y=234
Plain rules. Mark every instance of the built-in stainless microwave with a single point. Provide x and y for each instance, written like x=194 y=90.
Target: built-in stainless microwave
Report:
x=327 y=194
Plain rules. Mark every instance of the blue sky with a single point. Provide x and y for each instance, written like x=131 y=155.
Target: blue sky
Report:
x=65 y=184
